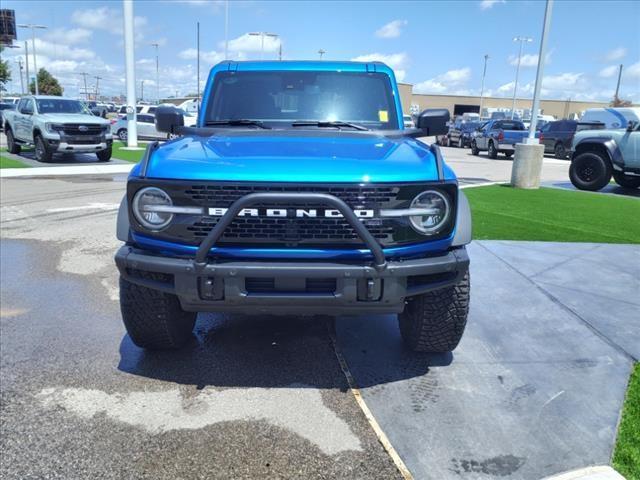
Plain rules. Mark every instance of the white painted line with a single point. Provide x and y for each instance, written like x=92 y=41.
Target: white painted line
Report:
x=589 y=473
x=483 y=184
x=73 y=170
x=353 y=386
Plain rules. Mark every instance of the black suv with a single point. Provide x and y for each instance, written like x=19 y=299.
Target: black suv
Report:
x=460 y=132
x=557 y=137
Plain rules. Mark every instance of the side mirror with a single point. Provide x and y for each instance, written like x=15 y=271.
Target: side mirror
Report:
x=168 y=119
x=433 y=121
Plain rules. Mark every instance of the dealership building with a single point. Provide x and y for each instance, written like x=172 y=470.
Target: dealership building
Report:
x=459 y=104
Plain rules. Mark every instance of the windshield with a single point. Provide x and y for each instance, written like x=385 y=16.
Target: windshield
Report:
x=283 y=97
x=54 y=105
x=470 y=126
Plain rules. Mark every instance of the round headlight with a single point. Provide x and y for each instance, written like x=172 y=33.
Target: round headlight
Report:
x=147 y=207
x=436 y=212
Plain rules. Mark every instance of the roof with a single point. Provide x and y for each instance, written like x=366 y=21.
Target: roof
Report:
x=49 y=97
x=317 y=65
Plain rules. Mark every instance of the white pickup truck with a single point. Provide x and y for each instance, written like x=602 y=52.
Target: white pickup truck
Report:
x=57 y=125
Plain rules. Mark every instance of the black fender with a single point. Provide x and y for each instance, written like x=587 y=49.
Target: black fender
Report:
x=463 y=222
x=608 y=144
x=123 y=231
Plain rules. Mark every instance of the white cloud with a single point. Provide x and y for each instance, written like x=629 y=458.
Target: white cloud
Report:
x=632 y=71
x=44 y=47
x=528 y=60
x=211 y=57
x=69 y=36
x=615 y=54
x=107 y=19
x=608 y=72
x=563 y=81
x=397 y=61
x=449 y=81
x=392 y=29
x=254 y=43
x=487 y=4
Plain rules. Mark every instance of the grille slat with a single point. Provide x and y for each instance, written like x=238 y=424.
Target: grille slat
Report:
x=74 y=129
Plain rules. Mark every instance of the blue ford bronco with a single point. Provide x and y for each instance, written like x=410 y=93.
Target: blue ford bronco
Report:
x=299 y=191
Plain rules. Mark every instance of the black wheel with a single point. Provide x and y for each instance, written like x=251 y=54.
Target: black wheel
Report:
x=122 y=134
x=559 y=151
x=474 y=148
x=435 y=321
x=154 y=319
x=104 y=155
x=43 y=154
x=590 y=171
x=626 y=181
x=507 y=154
x=12 y=146
x=460 y=142
x=492 y=151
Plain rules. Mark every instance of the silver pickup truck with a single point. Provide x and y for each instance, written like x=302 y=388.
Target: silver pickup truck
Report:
x=57 y=125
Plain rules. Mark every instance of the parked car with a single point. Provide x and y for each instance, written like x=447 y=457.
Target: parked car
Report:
x=557 y=137
x=597 y=155
x=4 y=107
x=13 y=100
x=145 y=126
x=56 y=125
x=498 y=136
x=611 y=117
x=267 y=207
x=460 y=133
x=98 y=109
x=407 y=121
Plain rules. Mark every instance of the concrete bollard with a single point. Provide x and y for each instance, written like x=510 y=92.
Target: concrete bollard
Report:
x=527 y=166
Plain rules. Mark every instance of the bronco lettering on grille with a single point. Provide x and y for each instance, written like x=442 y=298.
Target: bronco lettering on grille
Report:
x=289 y=212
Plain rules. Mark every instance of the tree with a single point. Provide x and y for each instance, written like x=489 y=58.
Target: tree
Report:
x=5 y=71
x=47 y=84
x=618 y=102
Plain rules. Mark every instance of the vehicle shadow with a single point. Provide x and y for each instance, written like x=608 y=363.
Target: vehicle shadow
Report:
x=268 y=352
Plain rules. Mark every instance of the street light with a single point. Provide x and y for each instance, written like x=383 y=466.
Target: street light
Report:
x=321 y=52
x=484 y=73
x=33 y=39
x=157 y=74
x=262 y=35
x=515 y=87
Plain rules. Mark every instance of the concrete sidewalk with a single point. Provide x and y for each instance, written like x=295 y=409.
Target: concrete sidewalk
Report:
x=535 y=387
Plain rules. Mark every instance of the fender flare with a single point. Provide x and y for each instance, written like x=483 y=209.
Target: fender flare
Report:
x=609 y=144
x=122 y=226
x=464 y=223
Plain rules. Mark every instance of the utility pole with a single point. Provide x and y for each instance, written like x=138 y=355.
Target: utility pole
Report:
x=615 y=97
x=198 y=66
x=157 y=74
x=321 y=52
x=26 y=61
x=132 y=128
x=484 y=73
x=86 y=92
x=21 y=81
x=515 y=86
x=33 y=40
x=97 y=87
x=142 y=90
x=226 y=30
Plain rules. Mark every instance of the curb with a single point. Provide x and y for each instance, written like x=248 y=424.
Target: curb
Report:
x=588 y=473
x=56 y=171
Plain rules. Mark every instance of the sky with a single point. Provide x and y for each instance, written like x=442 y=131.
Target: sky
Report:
x=437 y=46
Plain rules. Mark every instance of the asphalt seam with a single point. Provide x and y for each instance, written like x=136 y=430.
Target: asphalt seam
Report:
x=564 y=307
x=353 y=386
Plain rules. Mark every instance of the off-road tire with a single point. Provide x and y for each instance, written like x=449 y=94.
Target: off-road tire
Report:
x=435 y=321
x=154 y=319
x=104 y=155
x=12 y=146
x=43 y=153
x=507 y=154
x=626 y=181
x=559 y=151
x=590 y=171
x=492 y=151
x=474 y=148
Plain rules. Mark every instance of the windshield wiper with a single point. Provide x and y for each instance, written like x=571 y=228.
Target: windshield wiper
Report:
x=328 y=124
x=239 y=122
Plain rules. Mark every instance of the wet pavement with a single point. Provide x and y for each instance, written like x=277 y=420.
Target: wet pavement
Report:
x=535 y=387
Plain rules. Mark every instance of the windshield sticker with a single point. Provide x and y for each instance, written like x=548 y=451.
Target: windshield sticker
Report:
x=383 y=115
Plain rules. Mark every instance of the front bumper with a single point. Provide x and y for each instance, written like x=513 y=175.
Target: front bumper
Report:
x=291 y=287
x=64 y=144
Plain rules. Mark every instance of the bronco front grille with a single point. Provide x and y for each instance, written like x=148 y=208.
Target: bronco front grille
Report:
x=291 y=231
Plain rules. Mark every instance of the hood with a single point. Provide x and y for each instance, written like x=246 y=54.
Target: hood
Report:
x=72 y=118
x=294 y=156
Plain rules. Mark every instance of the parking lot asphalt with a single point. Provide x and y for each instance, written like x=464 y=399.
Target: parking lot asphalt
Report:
x=535 y=387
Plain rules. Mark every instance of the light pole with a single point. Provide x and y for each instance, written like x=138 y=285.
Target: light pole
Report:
x=142 y=90
x=33 y=40
x=615 y=97
x=484 y=73
x=321 y=52
x=226 y=30
x=21 y=80
x=132 y=130
x=157 y=74
x=262 y=35
x=26 y=64
x=515 y=86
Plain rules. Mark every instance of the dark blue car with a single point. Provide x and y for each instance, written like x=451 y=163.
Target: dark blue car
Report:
x=298 y=192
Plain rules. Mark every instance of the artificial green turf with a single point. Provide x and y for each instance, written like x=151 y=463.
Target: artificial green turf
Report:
x=6 y=162
x=133 y=156
x=626 y=456
x=549 y=214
